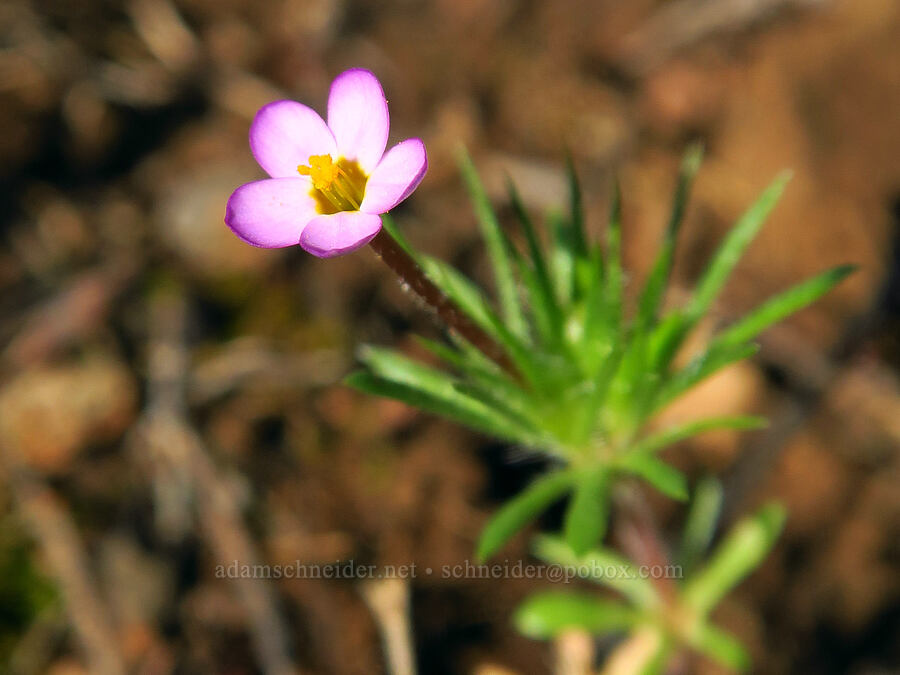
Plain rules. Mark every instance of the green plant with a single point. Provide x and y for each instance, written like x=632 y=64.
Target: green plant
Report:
x=587 y=375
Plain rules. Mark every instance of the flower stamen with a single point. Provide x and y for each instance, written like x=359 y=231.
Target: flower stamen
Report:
x=339 y=184
x=321 y=169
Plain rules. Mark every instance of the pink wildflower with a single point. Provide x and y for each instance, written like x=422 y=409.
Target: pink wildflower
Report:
x=329 y=182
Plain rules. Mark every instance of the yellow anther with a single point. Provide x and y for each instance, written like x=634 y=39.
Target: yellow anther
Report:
x=322 y=170
x=337 y=185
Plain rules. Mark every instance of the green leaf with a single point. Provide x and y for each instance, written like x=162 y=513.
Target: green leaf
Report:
x=664 y=477
x=783 y=305
x=535 y=250
x=666 y=338
x=658 y=441
x=576 y=210
x=393 y=366
x=517 y=409
x=731 y=250
x=562 y=258
x=739 y=554
x=655 y=286
x=497 y=246
x=500 y=395
x=700 y=524
x=541 y=304
x=631 y=366
x=598 y=329
x=483 y=373
x=614 y=277
x=463 y=292
x=540 y=287
x=520 y=510
x=603 y=312
x=536 y=277
x=547 y=614
x=600 y=565
x=452 y=356
x=584 y=263
x=455 y=406
x=677 y=327
x=468 y=297
x=718 y=356
x=720 y=646
x=588 y=513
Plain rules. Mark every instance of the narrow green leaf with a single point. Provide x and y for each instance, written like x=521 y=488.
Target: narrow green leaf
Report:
x=731 y=250
x=499 y=394
x=630 y=382
x=543 y=291
x=472 y=365
x=584 y=263
x=666 y=338
x=655 y=286
x=588 y=513
x=576 y=210
x=452 y=356
x=603 y=379
x=517 y=409
x=468 y=297
x=783 y=305
x=598 y=327
x=603 y=304
x=720 y=646
x=658 y=441
x=739 y=554
x=547 y=614
x=601 y=565
x=462 y=291
x=497 y=247
x=541 y=305
x=520 y=510
x=664 y=477
x=718 y=356
x=562 y=258
x=456 y=406
x=535 y=250
x=538 y=300
x=395 y=367
x=700 y=524
x=614 y=285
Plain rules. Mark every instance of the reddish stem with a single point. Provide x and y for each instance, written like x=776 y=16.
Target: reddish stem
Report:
x=639 y=537
x=405 y=267
x=636 y=530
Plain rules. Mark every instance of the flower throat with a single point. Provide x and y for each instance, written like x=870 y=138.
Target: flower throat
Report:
x=337 y=186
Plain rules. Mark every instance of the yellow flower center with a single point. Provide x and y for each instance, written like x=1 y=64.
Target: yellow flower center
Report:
x=337 y=186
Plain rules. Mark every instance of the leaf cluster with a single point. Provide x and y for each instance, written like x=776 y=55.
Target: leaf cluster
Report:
x=589 y=372
x=664 y=624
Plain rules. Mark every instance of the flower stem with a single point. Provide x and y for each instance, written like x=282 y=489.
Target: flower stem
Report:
x=640 y=539
x=405 y=267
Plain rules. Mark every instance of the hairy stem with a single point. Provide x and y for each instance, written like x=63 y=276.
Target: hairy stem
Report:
x=405 y=267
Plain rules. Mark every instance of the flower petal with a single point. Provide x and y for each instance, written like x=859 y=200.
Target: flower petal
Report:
x=284 y=134
x=339 y=233
x=358 y=117
x=271 y=213
x=398 y=173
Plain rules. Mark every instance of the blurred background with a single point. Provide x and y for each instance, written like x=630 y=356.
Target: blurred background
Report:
x=170 y=397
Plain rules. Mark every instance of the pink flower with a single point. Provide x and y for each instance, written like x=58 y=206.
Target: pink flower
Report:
x=329 y=182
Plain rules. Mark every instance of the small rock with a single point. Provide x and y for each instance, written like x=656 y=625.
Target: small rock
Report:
x=49 y=414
